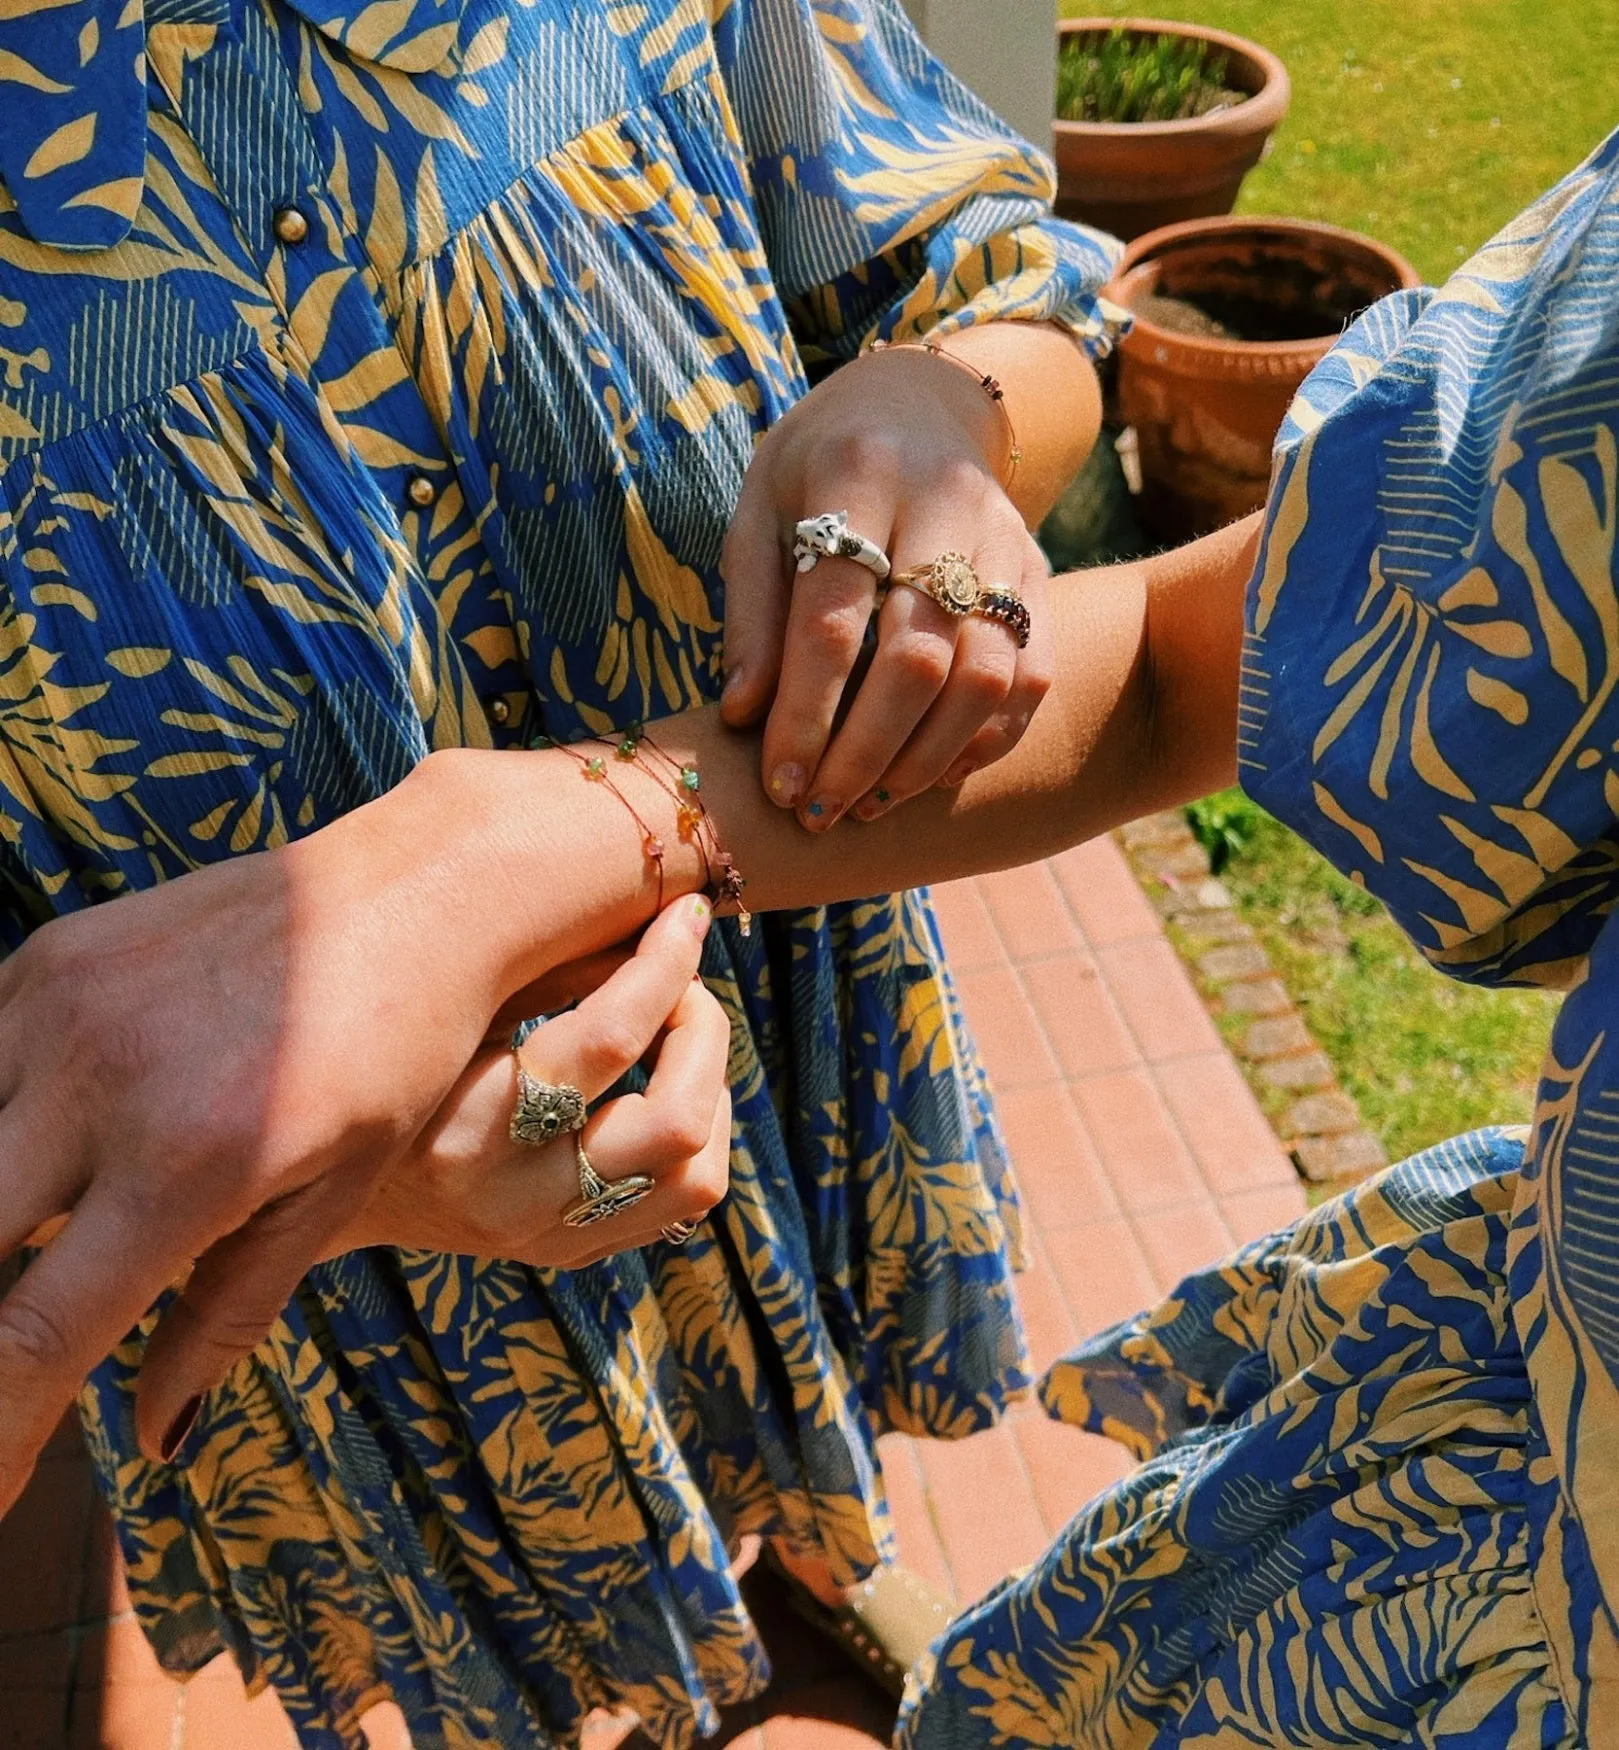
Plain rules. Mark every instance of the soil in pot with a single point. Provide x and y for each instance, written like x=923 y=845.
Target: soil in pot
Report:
x=1231 y=316
x=1289 y=305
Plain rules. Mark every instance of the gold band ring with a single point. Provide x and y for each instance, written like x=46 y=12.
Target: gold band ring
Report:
x=951 y=581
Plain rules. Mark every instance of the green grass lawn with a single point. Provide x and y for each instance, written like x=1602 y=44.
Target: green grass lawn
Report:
x=1424 y=1056
x=1427 y=123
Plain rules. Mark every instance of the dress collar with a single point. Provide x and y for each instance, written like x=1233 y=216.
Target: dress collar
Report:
x=73 y=81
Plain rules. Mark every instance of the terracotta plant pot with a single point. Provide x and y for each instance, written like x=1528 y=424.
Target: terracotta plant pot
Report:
x=1206 y=406
x=1130 y=177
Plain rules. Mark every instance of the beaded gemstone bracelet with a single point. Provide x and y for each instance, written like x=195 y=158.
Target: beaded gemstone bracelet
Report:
x=682 y=782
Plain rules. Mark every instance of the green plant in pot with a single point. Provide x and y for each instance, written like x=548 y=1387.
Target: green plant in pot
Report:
x=1158 y=121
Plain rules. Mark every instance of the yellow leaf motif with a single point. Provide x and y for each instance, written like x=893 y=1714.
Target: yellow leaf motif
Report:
x=366 y=382
x=372 y=34
x=1340 y=816
x=488 y=47
x=137 y=661
x=674 y=590
x=1506 y=702
x=64 y=595
x=121 y=196
x=386 y=236
x=69 y=144
x=16 y=71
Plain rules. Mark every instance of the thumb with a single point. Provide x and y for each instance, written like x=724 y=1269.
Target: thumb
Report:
x=754 y=566
x=235 y=1293
x=558 y=989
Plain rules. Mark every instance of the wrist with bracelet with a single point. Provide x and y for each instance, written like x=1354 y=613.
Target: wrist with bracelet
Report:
x=681 y=782
x=989 y=384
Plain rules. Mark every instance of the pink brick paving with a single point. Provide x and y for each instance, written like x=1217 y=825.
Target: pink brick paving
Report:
x=1142 y=1154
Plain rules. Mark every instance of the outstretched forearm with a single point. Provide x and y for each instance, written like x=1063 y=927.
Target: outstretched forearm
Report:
x=1142 y=715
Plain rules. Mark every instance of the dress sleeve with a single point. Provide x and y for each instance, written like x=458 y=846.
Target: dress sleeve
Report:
x=1431 y=668
x=892 y=201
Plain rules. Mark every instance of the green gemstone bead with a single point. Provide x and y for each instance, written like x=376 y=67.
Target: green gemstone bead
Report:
x=691 y=778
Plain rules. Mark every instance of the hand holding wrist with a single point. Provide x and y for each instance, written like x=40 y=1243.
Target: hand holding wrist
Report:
x=539 y=866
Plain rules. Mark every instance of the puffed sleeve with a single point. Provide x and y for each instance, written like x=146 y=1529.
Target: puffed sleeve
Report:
x=1431 y=695
x=1431 y=679
x=892 y=201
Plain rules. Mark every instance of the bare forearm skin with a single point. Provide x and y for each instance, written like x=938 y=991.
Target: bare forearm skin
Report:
x=1142 y=716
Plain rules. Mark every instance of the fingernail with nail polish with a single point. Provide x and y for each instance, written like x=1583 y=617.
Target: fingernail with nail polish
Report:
x=786 y=784
x=180 y=1427
x=701 y=916
x=821 y=814
x=869 y=807
x=958 y=775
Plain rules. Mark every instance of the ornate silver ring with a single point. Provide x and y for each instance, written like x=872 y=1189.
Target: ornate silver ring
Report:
x=544 y=1110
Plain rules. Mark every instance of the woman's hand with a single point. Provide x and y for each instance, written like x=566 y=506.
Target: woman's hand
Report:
x=218 y=1071
x=465 y=1186
x=914 y=451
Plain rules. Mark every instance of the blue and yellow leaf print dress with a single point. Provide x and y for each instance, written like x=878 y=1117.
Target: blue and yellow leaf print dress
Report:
x=1378 y=1498
x=377 y=377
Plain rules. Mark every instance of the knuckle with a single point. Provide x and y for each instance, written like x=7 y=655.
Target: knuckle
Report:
x=683 y=1134
x=962 y=479
x=986 y=680
x=838 y=628
x=994 y=742
x=32 y=1340
x=46 y=952
x=615 y=1043
x=1008 y=522
x=865 y=452
x=711 y=1181
x=921 y=659
x=697 y=1192
x=227 y=1333
x=1034 y=682
x=479 y=1237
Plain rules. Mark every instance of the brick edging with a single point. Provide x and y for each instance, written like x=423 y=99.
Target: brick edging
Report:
x=1318 y=1123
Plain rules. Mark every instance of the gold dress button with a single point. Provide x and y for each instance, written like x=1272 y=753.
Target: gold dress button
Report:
x=421 y=491
x=291 y=226
x=500 y=711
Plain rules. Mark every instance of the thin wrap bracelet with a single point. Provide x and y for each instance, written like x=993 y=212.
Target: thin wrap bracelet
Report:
x=989 y=384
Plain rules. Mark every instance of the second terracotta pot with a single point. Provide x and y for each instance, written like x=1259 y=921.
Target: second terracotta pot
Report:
x=1204 y=398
